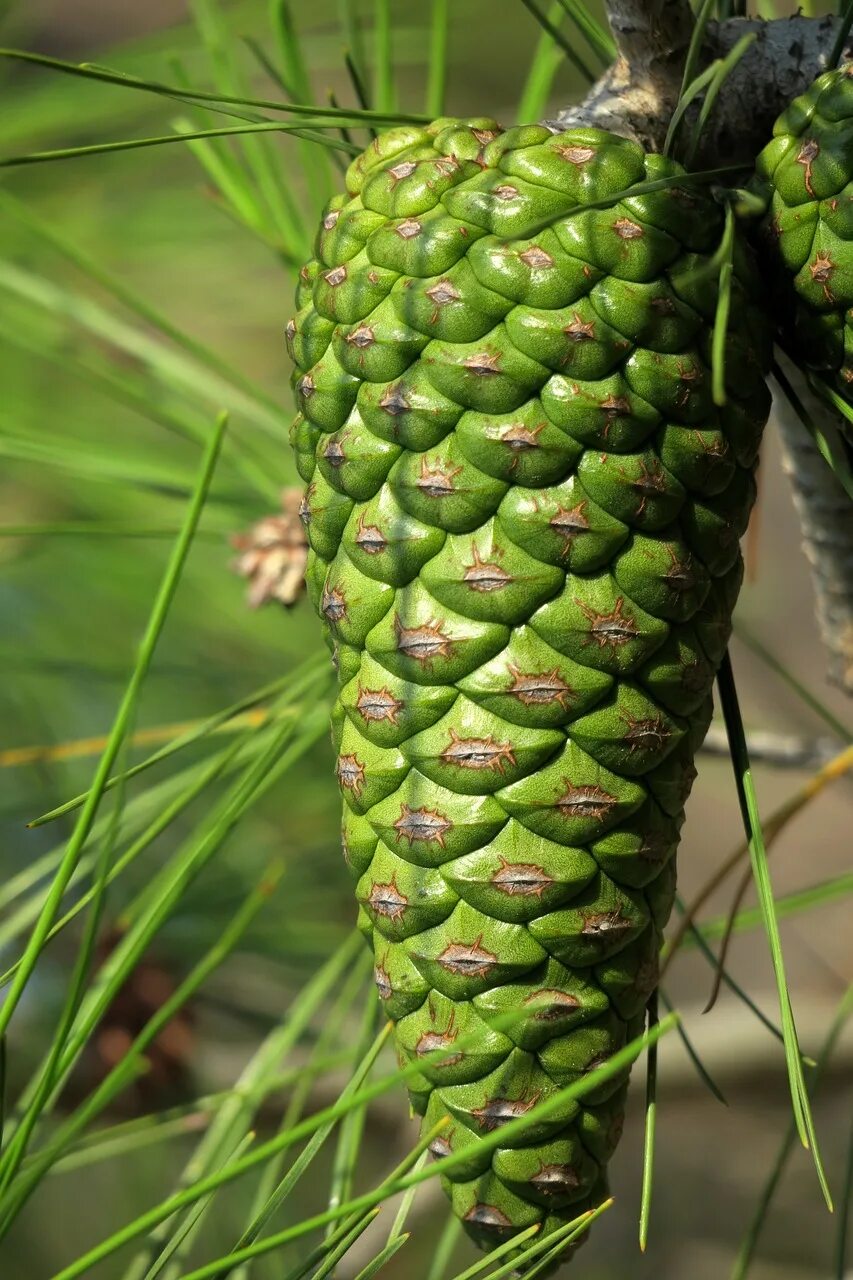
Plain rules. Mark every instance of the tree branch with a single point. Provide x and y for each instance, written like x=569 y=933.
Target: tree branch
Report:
x=785 y=57
x=637 y=95
x=826 y=519
x=781 y=750
x=648 y=34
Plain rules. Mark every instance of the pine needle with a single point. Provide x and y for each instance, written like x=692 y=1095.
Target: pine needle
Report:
x=243 y=714
x=501 y=1137
x=375 y=1266
x=688 y=93
x=690 y=1049
x=806 y=696
x=88 y=71
x=437 y=76
x=547 y=60
x=746 y=1254
x=133 y=144
x=840 y=1259
x=843 y=33
x=721 y=315
x=837 y=768
x=758 y=857
x=773 y=827
x=156 y=622
x=694 y=51
x=445 y=1248
x=651 y=1125
x=559 y=39
x=383 y=63
x=597 y=36
x=722 y=70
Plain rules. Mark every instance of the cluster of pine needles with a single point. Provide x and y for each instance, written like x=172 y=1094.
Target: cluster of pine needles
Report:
x=133 y=449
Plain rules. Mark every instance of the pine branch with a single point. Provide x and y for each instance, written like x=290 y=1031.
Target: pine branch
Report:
x=648 y=35
x=779 y=750
x=826 y=519
x=637 y=95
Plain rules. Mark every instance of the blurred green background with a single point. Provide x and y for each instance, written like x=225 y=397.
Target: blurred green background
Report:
x=100 y=417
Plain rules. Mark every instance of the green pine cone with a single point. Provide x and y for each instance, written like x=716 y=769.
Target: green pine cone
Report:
x=524 y=512
x=806 y=176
